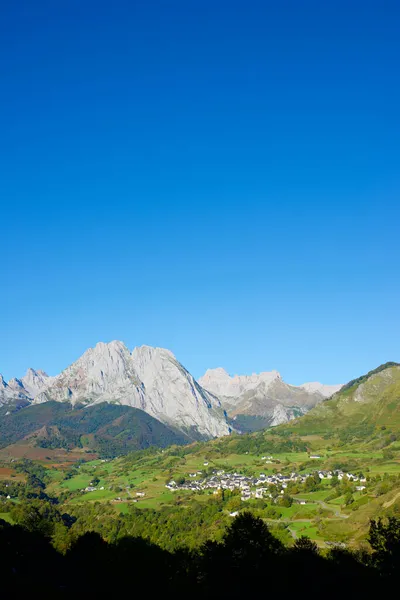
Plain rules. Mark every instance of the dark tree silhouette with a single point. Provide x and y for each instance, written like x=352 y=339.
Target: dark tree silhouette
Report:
x=304 y=544
x=248 y=561
x=384 y=538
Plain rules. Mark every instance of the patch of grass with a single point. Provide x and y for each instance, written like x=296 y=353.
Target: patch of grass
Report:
x=122 y=508
x=313 y=496
x=166 y=497
x=97 y=495
x=79 y=482
x=298 y=511
x=7 y=517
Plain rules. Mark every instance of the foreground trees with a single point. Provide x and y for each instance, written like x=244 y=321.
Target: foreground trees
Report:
x=248 y=561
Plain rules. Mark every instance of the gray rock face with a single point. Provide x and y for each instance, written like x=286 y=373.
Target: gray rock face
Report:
x=172 y=391
x=12 y=391
x=148 y=378
x=325 y=390
x=153 y=380
x=104 y=373
x=263 y=395
x=23 y=389
x=35 y=381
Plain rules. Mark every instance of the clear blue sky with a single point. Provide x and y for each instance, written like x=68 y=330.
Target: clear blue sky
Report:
x=220 y=178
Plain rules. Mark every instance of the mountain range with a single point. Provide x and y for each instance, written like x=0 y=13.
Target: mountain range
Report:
x=154 y=381
x=263 y=400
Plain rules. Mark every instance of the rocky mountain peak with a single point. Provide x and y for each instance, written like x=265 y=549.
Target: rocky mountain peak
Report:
x=16 y=384
x=151 y=379
x=263 y=395
x=325 y=390
x=148 y=353
x=113 y=346
x=34 y=382
x=218 y=382
x=106 y=352
x=218 y=372
x=13 y=390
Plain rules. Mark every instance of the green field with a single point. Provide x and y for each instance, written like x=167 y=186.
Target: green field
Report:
x=79 y=482
x=318 y=518
x=298 y=511
x=7 y=517
x=308 y=529
x=96 y=495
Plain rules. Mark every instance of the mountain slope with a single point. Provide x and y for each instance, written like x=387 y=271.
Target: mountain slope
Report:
x=153 y=380
x=105 y=428
x=104 y=373
x=150 y=379
x=12 y=392
x=35 y=381
x=260 y=400
x=360 y=407
x=189 y=404
x=325 y=390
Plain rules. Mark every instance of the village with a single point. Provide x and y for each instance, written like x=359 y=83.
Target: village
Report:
x=254 y=487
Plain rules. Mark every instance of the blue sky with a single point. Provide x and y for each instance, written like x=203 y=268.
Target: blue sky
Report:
x=218 y=178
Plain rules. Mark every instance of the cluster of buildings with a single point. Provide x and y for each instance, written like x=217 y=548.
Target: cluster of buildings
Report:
x=253 y=487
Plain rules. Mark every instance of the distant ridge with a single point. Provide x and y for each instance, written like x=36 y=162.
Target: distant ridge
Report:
x=359 y=409
x=362 y=378
x=150 y=379
x=153 y=380
x=262 y=400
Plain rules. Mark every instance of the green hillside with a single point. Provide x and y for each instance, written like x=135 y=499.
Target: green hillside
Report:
x=107 y=429
x=361 y=411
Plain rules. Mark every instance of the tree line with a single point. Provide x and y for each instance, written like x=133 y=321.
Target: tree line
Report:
x=248 y=561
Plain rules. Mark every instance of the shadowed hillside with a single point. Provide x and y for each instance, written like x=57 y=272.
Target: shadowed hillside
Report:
x=107 y=429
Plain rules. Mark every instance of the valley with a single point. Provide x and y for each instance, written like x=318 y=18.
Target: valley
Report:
x=323 y=475
x=329 y=510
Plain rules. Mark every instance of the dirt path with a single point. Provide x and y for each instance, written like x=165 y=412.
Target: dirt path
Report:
x=336 y=512
x=392 y=501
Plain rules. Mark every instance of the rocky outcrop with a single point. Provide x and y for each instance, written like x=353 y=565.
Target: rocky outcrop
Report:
x=172 y=391
x=325 y=390
x=153 y=380
x=35 y=381
x=263 y=395
x=148 y=378
x=13 y=391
